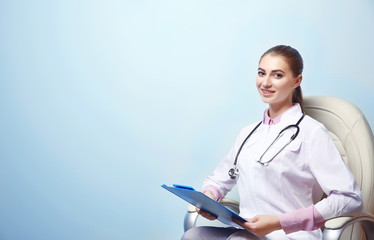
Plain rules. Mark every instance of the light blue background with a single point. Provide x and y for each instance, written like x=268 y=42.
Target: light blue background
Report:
x=101 y=102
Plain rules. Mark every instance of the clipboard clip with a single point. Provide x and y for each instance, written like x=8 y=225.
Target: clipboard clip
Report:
x=183 y=187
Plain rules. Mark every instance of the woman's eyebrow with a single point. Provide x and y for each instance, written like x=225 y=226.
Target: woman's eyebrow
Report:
x=277 y=70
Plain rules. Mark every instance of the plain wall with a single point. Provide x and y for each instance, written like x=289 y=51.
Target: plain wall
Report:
x=101 y=102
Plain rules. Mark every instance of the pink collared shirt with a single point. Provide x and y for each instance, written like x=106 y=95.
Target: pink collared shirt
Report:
x=269 y=121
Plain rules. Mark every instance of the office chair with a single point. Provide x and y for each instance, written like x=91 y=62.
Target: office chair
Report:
x=354 y=139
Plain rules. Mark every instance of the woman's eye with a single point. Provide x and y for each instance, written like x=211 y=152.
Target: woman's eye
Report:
x=278 y=75
x=261 y=73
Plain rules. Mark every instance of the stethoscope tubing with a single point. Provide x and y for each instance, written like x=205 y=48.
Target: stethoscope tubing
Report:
x=243 y=143
x=234 y=172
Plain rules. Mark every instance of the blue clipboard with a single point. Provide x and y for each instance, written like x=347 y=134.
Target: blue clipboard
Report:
x=200 y=200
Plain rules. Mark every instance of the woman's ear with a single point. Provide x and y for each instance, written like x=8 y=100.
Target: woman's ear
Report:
x=298 y=81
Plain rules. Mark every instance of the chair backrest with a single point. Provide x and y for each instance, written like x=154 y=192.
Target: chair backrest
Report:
x=353 y=137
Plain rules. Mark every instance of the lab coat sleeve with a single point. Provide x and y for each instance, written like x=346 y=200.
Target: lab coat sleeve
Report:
x=220 y=180
x=333 y=176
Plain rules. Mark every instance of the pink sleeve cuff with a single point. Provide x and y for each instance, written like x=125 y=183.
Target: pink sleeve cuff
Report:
x=306 y=219
x=217 y=194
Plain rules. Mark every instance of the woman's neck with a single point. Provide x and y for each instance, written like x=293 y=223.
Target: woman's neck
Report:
x=275 y=111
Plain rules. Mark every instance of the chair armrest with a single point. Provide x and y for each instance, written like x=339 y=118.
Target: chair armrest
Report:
x=337 y=222
x=335 y=226
x=229 y=202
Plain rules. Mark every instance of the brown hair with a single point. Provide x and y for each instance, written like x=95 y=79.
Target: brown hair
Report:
x=295 y=62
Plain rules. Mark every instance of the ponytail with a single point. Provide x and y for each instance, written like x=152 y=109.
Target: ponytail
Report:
x=297 y=97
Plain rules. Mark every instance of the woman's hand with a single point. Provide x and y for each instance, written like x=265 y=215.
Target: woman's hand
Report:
x=206 y=214
x=260 y=225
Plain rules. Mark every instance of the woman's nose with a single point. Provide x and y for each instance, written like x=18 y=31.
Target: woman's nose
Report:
x=267 y=82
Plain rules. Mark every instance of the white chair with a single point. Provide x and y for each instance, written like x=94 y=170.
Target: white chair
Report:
x=354 y=139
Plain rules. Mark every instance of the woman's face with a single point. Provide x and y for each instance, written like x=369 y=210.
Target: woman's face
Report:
x=275 y=81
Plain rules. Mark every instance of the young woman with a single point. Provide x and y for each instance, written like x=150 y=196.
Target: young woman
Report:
x=280 y=172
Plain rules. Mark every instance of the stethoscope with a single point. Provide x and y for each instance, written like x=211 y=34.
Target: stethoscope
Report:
x=234 y=171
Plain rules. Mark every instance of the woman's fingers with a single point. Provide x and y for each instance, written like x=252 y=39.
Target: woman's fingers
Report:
x=206 y=214
x=260 y=225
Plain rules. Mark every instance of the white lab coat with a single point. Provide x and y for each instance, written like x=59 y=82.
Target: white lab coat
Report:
x=308 y=167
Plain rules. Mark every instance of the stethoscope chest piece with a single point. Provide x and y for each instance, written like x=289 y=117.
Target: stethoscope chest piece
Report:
x=234 y=172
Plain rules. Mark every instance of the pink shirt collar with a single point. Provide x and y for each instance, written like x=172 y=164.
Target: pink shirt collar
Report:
x=268 y=121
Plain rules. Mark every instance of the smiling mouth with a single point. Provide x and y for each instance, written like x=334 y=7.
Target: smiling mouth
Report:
x=267 y=91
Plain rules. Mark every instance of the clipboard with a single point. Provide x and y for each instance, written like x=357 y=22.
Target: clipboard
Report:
x=200 y=200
